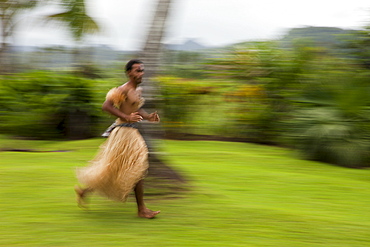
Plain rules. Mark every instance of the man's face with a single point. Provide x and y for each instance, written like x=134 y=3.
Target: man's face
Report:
x=136 y=73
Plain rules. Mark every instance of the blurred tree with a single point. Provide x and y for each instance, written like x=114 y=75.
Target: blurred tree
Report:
x=9 y=12
x=318 y=100
x=49 y=105
x=150 y=55
x=330 y=122
x=184 y=64
x=267 y=77
x=357 y=44
x=77 y=21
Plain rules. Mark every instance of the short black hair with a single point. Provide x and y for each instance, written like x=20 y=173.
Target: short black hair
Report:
x=131 y=63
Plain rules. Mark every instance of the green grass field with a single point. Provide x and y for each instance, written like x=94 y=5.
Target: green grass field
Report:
x=239 y=195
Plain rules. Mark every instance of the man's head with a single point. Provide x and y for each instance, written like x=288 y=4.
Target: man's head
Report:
x=135 y=70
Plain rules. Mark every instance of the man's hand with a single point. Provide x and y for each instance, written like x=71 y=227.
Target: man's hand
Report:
x=153 y=117
x=134 y=117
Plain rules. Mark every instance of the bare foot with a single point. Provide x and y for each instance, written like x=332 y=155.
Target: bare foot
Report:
x=147 y=213
x=80 y=197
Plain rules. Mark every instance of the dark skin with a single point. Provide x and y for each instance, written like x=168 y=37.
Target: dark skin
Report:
x=128 y=113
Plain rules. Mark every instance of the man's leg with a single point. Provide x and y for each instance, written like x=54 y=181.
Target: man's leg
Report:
x=81 y=195
x=143 y=211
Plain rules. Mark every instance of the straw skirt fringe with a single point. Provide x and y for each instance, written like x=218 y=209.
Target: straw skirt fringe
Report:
x=122 y=161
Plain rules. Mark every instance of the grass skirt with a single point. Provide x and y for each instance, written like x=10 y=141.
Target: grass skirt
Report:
x=122 y=161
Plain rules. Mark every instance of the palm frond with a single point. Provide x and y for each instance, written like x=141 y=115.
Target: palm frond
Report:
x=76 y=20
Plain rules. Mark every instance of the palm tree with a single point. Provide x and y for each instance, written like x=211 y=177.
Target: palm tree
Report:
x=153 y=46
x=77 y=21
x=9 y=11
x=151 y=54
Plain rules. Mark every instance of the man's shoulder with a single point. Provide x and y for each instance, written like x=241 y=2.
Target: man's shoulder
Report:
x=117 y=94
x=123 y=89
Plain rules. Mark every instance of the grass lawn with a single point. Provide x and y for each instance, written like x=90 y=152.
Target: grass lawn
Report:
x=240 y=195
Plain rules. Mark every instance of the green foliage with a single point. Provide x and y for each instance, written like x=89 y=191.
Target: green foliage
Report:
x=331 y=121
x=328 y=37
x=357 y=45
x=184 y=64
x=48 y=105
x=179 y=101
x=239 y=63
x=264 y=68
x=211 y=107
x=317 y=100
x=324 y=134
x=248 y=113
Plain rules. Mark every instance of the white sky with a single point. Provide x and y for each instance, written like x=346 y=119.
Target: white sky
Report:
x=210 y=22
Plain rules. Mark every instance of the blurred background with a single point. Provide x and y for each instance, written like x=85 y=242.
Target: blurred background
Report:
x=287 y=73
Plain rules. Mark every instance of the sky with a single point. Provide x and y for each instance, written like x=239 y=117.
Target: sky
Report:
x=210 y=22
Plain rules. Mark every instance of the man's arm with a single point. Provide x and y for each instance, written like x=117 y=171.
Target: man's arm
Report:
x=133 y=117
x=152 y=117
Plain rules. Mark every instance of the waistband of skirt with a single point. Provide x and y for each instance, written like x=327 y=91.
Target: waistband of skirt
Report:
x=132 y=125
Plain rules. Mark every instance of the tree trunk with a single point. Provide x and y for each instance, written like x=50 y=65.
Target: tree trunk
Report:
x=152 y=133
